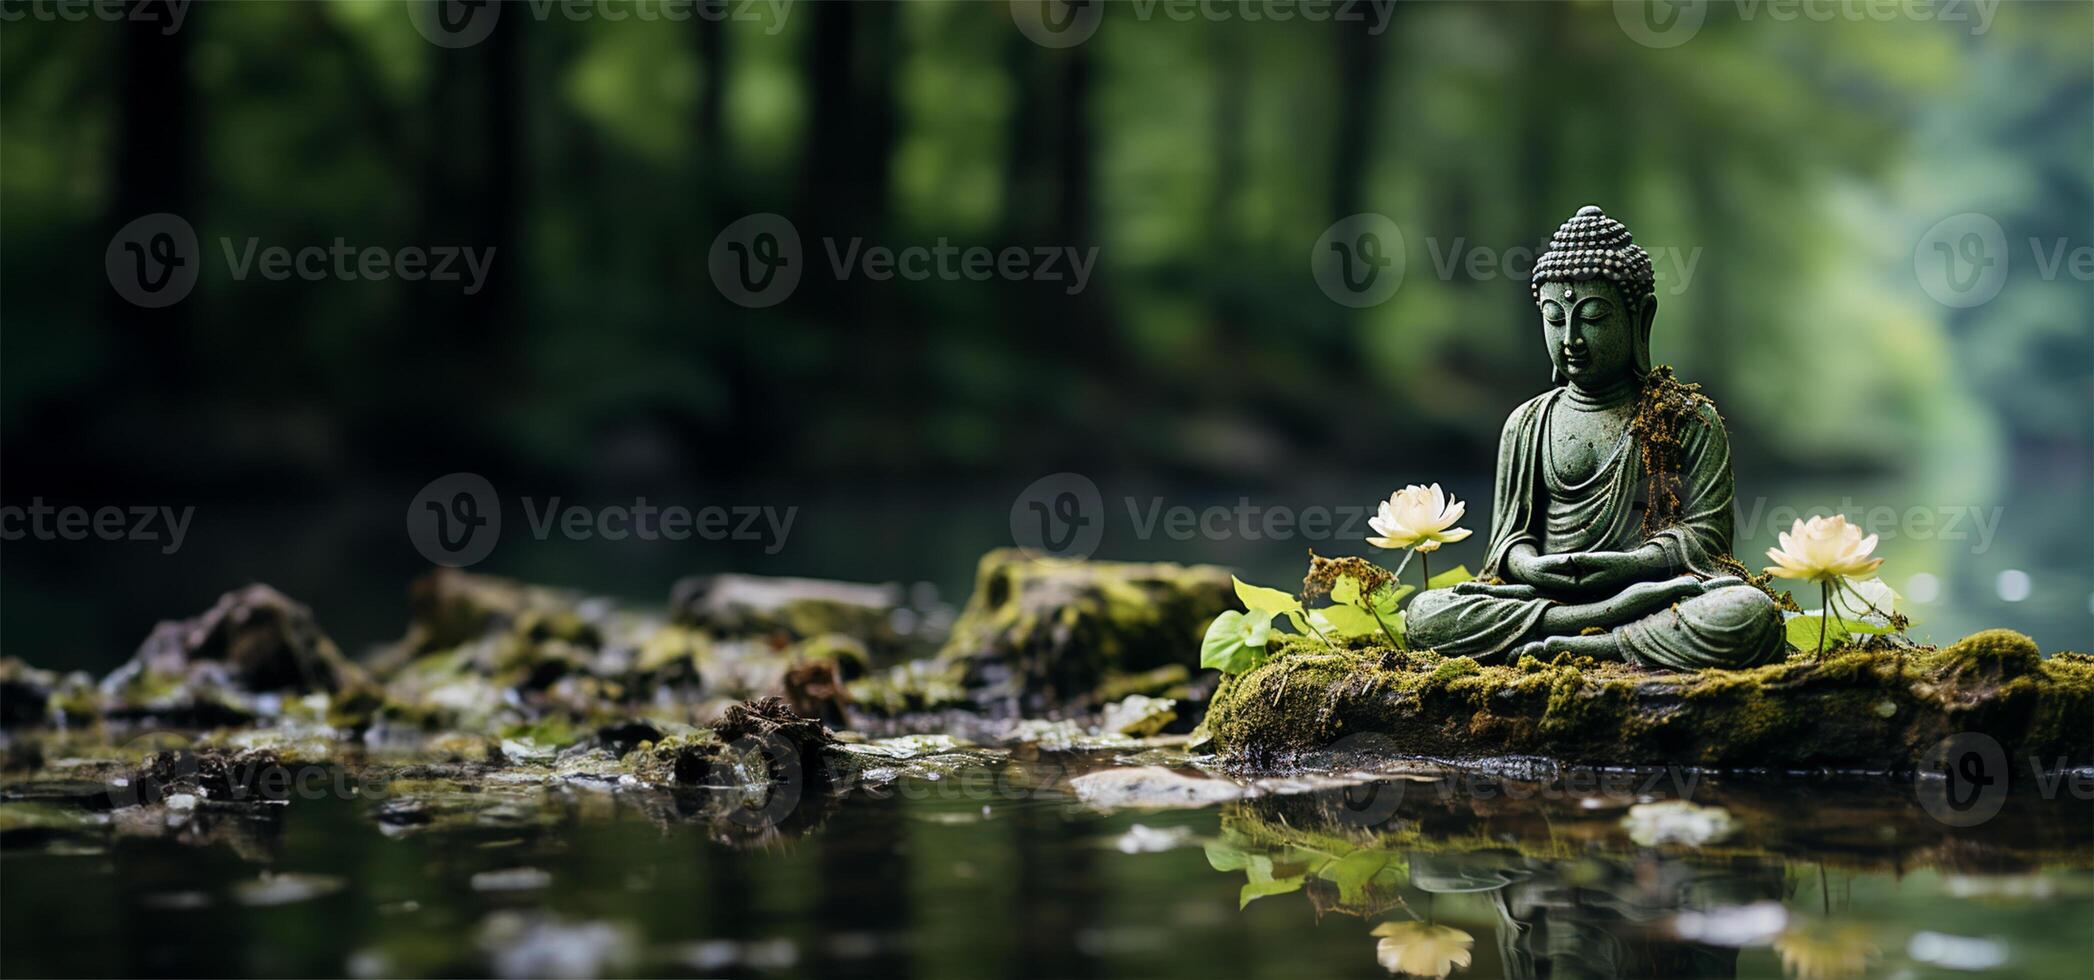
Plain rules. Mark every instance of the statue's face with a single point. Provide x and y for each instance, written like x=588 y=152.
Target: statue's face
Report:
x=1591 y=333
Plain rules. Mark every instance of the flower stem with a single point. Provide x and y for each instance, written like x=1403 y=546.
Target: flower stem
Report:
x=1319 y=633
x=1393 y=641
x=1824 y=615
x=1424 y=571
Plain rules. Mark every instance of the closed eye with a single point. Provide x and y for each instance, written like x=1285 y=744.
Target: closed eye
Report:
x=1593 y=309
x=1552 y=312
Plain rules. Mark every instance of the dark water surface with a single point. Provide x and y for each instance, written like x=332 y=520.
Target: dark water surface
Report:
x=967 y=876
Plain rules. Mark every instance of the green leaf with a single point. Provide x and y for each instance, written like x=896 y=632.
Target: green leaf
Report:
x=1228 y=857
x=1235 y=642
x=1803 y=630
x=1346 y=590
x=1258 y=598
x=1353 y=872
x=1350 y=621
x=1260 y=889
x=1450 y=579
x=1388 y=597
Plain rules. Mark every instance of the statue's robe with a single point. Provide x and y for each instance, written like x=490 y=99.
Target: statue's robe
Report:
x=1737 y=626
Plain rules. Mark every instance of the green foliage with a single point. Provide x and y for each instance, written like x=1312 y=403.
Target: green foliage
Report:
x=1803 y=629
x=1235 y=642
x=1272 y=602
x=1451 y=578
x=1358 y=871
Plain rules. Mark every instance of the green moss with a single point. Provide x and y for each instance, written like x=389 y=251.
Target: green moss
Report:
x=1857 y=707
x=683 y=758
x=1448 y=670
x=1054 y=634
x=1992 y=653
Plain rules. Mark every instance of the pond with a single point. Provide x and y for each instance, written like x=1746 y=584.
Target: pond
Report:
x=990 y=864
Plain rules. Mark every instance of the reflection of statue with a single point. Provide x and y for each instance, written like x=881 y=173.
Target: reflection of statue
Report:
x=1612 y=514
x=1597 y=918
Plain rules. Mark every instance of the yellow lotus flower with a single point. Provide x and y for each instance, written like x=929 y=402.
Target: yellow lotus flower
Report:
x=1825 y=953
x=1421 y=949
x=1417 y=517
x=1823 y=549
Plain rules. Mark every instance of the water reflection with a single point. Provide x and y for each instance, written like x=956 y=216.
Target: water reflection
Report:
x=520 y=873
x=1460 y=875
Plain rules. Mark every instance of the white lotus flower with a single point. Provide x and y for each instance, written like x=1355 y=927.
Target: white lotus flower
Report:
x=1823 y=549
x=1421 y=949
x=1417 y=517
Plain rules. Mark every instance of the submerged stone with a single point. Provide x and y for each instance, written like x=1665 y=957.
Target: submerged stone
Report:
x=1799 y=713
x=1152 y=787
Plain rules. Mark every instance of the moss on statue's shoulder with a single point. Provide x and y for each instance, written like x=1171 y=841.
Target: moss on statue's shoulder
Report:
x=1876 y=708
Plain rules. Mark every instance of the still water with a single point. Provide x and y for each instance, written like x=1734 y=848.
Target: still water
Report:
x=998 y=869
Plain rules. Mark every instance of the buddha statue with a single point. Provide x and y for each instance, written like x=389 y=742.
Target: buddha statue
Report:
x=1612 y=514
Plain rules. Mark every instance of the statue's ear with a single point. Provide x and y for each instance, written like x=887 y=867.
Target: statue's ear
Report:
x=1645 y=316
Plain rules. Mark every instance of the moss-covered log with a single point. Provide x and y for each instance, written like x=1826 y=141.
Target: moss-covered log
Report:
x=1878 y=709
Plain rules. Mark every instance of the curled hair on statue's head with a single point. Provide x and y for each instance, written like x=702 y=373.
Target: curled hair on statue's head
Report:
x=1591 y=245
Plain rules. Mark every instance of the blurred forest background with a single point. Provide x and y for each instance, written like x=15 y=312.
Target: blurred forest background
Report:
x=1800 y=163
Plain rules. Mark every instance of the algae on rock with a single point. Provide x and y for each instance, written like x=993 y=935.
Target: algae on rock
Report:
x=1876 y=709
x=1046 y=634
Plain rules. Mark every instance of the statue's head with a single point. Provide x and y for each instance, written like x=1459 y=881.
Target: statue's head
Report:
x=1594 y=289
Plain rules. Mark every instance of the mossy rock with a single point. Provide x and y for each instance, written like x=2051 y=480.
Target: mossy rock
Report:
x=228 y=664
x=1869 y=709
x=1052 y=634
x=797 y=609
